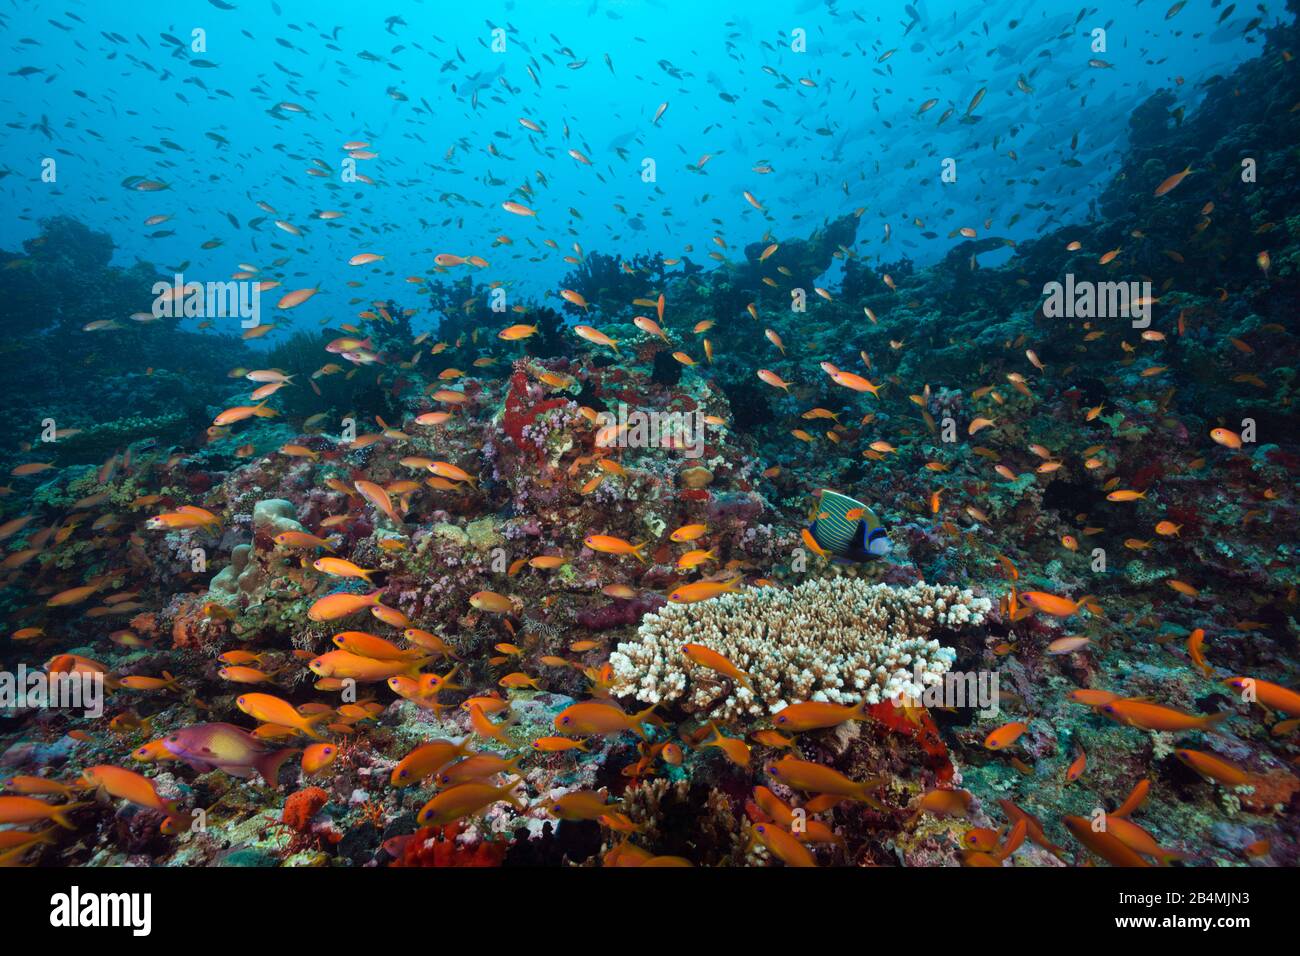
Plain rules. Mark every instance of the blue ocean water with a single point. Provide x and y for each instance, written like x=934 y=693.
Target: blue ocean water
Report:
x=813 y=109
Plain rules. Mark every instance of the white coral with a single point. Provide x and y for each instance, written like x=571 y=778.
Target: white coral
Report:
x=836 y=639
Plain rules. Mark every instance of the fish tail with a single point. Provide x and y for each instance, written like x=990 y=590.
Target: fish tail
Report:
x=639 y=718
x=59 y=814
x=863 y=794
x=636 y=550
x=308 y=724
x=269 y=765
x=1212 y=719
x=860 y=710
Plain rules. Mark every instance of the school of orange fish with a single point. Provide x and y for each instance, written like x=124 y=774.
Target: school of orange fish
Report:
x=246 y=704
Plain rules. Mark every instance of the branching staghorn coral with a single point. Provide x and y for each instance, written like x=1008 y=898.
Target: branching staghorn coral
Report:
x=838 y=640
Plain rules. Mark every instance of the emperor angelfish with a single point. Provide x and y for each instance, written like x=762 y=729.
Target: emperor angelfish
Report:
x=858 y=538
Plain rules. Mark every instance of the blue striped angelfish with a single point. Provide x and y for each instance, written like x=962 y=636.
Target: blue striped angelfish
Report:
x=847 y=529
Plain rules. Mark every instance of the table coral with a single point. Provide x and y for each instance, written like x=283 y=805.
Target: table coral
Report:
x=837 y=639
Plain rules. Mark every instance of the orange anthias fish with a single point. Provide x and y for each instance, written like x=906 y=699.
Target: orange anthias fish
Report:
x=1215 y=768
x=426 y=760
x=468 y=799
x=1103 y=843
x=599 y=717
x=369 y=645
x=703 y=591
x=334 y=606
x=130 y=786
x=1172 y=182
x=814 y=715
x=339 y=567
x=273 y=710
x=816 y=778
x=783 y=845
x=1147 y=716
x=1006 y=735
x=712 y=660
x=1270 y=695
x=595 y=336
x=346 y=665
x=607 y=544
x=1050 y=603
x=23 y=810
x=378 y=497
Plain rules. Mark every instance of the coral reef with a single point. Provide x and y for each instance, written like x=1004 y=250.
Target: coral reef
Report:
x=443 y=561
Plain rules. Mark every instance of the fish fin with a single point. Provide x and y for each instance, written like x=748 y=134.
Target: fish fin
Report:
x=309 y=724
x=1213 y=719
x=59 y=815
x=269 y=765
x=636 y=550
x=376 y=582
x=414 y=669
x=863 y=794
x=639 y=718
